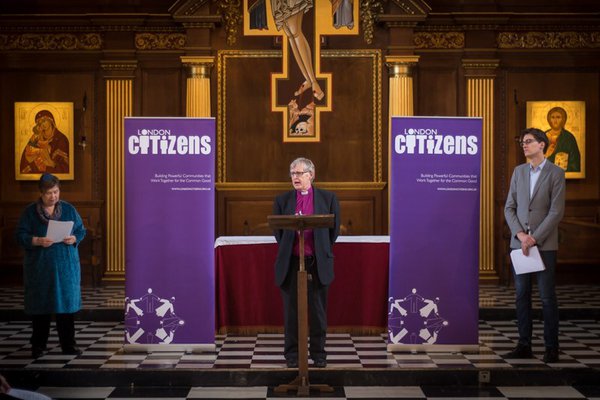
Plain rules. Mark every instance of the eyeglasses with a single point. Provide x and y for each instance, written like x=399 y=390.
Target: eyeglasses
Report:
x=528 y=141
x=297 y=173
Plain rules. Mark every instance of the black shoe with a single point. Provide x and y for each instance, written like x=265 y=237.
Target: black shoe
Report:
x=519 y=352
x=551 y=355
x=37 y=352
x=292 y=363
x=320 y=363
x=72 y=351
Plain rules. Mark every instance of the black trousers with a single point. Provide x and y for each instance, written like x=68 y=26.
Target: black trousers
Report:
x=317 y=311
x=65 y=325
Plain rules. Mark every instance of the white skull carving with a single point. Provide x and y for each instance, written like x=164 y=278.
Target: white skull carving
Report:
x=301 y=128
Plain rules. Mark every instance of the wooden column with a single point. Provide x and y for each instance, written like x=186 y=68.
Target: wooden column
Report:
x=480 y=76
x=119 y=76
x=198 y=85
x=401 y=97
x=401 y=92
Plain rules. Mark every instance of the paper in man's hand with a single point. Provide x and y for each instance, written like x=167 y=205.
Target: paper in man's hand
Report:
x=525 y=264
x=59 y=230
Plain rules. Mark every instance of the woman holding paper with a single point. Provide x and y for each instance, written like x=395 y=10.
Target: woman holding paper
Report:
x=51 y=269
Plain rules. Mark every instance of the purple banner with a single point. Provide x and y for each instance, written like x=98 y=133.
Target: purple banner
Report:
x=434 y=231
x=169 y=232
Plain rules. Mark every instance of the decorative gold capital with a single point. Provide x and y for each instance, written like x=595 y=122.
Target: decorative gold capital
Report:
x=118 y=69
x=548 y=40
x=118 y=65
x=232 y=15
x=439 y=40
x=159 y=41
x=481 y=63
x=369 y=10
x=51 y=41
x=480 y=68
x=401 y=65
x=198 y=66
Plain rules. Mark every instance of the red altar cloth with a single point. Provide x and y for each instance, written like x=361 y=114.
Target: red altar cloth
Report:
x=248 y=301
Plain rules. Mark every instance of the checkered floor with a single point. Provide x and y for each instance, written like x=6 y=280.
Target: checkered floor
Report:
x=106 y=297
x=490 y=296
x=102 y=343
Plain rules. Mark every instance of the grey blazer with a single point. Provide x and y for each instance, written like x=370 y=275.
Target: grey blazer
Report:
x=325 y=202
x=540 y=214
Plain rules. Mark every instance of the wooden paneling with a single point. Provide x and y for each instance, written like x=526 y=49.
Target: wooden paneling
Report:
x=246 y=216
x=161 y=93
x=579 y=242
x=437 y=87
x=244 y=212
x=359 y=216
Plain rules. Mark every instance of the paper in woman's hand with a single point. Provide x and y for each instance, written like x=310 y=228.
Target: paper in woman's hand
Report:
x=59 y=230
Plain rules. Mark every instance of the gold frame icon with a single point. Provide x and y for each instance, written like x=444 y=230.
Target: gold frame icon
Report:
x=44 y=135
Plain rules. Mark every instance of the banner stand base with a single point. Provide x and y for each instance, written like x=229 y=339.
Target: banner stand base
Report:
x=152 y=348
x=433 y=348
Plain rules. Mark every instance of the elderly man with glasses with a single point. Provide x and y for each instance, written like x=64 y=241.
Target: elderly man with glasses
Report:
x=305 y=199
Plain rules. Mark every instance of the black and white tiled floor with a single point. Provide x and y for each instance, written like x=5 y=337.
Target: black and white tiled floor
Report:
x=490 y=296
x=105 y=297
x=102 y=344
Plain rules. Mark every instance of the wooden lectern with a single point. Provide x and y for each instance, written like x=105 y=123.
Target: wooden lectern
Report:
x=301 y=223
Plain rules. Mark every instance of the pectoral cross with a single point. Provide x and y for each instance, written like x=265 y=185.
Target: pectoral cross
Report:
x=301 y=91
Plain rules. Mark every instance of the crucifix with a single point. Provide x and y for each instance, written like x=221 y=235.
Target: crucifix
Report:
x=301 y=92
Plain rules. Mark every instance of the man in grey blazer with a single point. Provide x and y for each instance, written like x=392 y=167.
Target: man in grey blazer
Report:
x=534 y=207
x=305 y=199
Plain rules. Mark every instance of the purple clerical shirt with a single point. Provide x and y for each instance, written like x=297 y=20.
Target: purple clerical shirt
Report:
x=305 y=206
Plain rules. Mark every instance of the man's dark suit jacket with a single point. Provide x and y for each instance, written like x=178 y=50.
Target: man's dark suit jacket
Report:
x=325 y=202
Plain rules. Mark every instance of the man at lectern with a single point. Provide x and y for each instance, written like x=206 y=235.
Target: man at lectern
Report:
x=534 y=207
x=305 y=199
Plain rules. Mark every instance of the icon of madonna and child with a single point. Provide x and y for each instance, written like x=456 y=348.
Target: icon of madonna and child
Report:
x=47 y=150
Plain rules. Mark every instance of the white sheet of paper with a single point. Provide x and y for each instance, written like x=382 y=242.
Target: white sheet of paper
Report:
x=525 y=264
x=27 y=395
x=59 y=230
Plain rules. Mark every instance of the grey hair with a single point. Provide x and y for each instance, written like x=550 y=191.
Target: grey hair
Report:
x=310 y=167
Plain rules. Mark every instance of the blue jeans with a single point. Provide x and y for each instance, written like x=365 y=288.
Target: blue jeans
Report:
x=545 y=282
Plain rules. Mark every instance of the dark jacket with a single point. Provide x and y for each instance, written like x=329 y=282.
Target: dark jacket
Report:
x=325 y=202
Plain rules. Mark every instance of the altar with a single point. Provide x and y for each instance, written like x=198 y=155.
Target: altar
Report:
x=248 y=301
